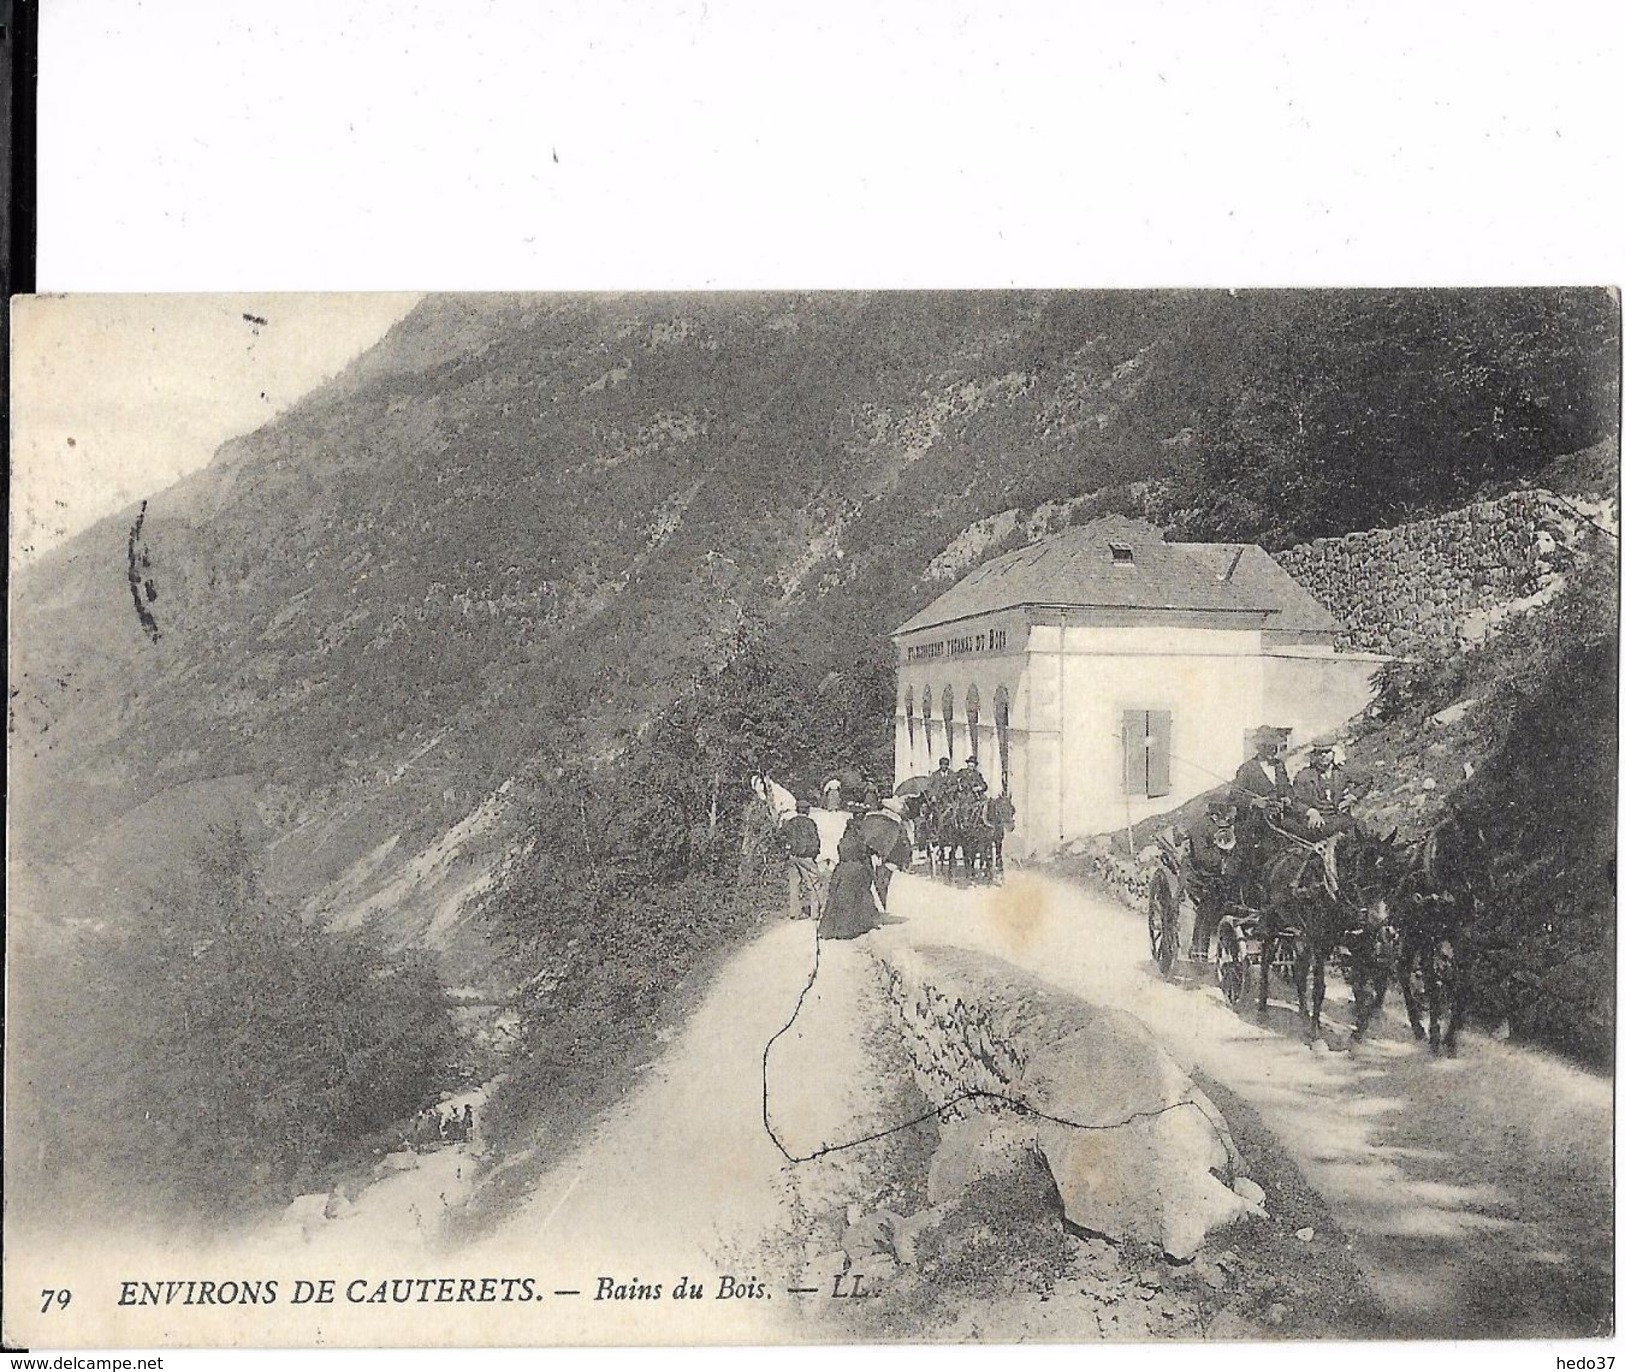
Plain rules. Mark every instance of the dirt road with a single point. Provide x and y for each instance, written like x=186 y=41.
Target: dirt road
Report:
x=1473 y=1196
x=1476 y=1192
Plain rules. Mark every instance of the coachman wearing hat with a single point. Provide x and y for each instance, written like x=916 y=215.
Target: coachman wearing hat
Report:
x=971 y=781
x=1263 y=776
x=1322 y=795
x=1262 y=794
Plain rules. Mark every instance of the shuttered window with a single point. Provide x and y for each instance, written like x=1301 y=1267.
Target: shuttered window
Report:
x=1147 y=735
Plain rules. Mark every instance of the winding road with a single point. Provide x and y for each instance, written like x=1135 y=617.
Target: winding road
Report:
x=1476 y=1192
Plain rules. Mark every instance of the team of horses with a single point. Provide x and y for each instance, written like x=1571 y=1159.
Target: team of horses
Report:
x=962 y=831
x=1393 y=912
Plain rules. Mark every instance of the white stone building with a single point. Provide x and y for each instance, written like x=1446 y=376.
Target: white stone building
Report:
x=1104 y=675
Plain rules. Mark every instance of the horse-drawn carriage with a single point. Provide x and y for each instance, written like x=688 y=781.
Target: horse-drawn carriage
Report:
x=1179 y=891
x=1291 y=908
x=956 y=825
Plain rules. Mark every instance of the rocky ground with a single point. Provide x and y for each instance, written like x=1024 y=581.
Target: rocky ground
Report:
x=1473 y=1197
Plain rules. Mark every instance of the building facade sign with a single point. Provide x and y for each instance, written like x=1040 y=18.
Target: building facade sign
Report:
x=987 y=641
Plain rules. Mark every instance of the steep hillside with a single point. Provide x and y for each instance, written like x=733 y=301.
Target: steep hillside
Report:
x=474 y=648
x=520 y=525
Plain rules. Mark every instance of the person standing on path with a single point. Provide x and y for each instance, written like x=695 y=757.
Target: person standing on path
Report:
x=802 y=842
x=850 y=910
x=886 y=837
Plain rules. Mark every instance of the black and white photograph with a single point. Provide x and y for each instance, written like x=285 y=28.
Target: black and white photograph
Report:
x=769 y=817
x=702 y=682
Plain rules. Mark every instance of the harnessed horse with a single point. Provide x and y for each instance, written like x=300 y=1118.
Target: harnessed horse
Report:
x=959 y=825
x=1434 y=904
x=1325 y=896
x=1001 y=814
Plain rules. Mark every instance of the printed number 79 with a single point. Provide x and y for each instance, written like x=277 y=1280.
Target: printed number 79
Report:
x=59 y=1299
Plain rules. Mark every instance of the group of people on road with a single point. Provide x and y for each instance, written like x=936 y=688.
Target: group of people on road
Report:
x=1260 y=811
x=846 y=898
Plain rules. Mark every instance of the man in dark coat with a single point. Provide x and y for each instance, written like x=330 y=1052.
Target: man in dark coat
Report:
x=802 y=842
x=1263 y=795
x=1322 y=794
x=1263 y=776
x=971 y=781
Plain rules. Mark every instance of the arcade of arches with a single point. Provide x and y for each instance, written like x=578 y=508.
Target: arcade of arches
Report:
x=936 y=729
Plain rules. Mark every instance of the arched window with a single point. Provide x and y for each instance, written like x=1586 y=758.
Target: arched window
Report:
x=908 y=709
x=925 y=714
x=973 y=717
x=948 y=719
x=1001 y=730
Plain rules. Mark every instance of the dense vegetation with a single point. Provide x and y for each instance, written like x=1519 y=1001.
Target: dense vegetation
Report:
x=589 y=496
x=1543 y=728
x=636 y=874
x=219 y=1054
x=1358 y=410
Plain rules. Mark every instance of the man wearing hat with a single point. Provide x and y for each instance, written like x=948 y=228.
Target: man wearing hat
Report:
x=1212 y=858
x=1321 y=793
x=971 y=781
x=1263 y=776
x=1262 y=786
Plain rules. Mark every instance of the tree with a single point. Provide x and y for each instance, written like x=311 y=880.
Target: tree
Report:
x=222 y=1051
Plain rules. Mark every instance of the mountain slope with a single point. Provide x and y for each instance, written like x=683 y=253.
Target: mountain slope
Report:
x=519 y=526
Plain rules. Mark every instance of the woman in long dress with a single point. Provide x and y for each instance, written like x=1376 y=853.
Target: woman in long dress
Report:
x=849 y=905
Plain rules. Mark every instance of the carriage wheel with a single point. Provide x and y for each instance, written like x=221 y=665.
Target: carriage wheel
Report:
x=1230 y=964
x=1163 y=925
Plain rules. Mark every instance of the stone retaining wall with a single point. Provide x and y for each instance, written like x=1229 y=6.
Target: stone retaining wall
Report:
x=1410 y=590
x=1137 y=1151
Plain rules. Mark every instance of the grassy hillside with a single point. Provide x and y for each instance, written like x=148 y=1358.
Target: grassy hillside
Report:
x=620 y=550
x=528 y=521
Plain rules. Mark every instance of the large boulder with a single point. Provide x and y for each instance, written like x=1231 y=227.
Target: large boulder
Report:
x=1136 y=1149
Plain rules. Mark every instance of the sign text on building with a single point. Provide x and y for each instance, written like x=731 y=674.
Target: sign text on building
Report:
x=993 y=641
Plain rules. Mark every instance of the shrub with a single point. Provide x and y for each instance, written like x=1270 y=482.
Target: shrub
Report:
x=219 y=1052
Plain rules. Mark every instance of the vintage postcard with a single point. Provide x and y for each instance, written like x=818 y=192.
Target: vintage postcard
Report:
x=767 y=818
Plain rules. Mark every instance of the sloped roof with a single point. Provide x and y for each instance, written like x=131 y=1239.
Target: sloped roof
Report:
x=1259 y=576
x=1077 y=567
